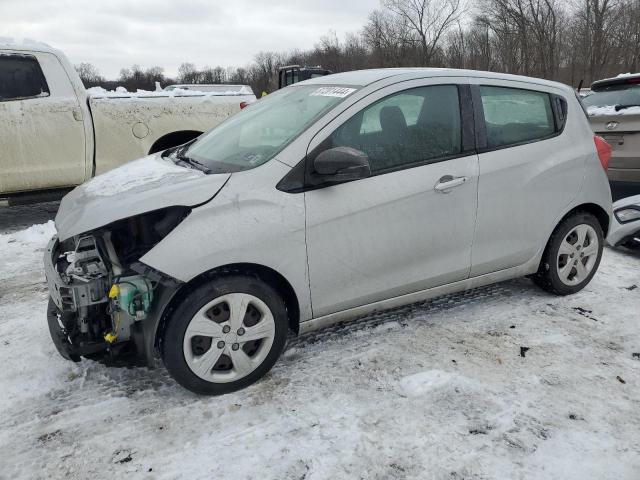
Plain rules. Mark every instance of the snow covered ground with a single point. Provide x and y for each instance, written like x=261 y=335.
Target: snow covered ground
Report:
x=438 y=390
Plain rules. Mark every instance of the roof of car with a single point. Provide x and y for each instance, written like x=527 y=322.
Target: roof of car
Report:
x=621 y=79
x=366 y=77
x=25 y=44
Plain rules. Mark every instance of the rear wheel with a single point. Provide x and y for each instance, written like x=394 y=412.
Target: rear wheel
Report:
x=572 y=255
x=225 y=335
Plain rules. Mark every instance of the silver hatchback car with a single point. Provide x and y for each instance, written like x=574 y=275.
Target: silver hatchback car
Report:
x=321 y=203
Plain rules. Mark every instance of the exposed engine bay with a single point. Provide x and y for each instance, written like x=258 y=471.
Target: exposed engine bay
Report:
x=101 y=295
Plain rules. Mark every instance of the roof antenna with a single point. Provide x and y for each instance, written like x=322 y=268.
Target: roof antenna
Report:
x=580 y=85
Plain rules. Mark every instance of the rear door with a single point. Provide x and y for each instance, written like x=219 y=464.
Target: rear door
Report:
x=42 y=144
x=400 y=230
x=529 y=171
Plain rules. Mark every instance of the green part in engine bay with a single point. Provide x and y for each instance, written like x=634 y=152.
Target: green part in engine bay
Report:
x=134 y=295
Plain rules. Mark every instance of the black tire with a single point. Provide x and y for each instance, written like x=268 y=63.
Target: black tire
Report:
x=547 y=276
x=172 y=337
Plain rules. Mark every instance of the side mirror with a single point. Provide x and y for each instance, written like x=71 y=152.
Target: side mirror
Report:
x=341 y=164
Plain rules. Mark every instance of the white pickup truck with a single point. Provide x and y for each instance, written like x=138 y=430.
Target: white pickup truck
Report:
x=55 y=135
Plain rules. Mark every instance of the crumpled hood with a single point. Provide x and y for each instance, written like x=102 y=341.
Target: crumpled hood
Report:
x=141 y=186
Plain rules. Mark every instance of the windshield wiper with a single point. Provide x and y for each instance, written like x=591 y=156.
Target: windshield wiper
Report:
x=193 y=163
x=622 y=107
x=183 y=160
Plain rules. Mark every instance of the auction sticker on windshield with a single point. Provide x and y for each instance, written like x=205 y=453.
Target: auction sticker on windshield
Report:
x=340 y=92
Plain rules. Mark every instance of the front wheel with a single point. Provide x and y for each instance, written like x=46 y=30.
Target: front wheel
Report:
x=572 y=255
x=225 y=335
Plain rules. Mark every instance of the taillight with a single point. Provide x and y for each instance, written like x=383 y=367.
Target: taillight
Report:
x=243 y=104
x=604 y=151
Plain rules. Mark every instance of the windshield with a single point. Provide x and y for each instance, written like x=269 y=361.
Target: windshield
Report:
x=613 y=95
x=260 y=131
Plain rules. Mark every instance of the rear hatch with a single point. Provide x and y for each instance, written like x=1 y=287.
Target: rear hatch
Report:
x=614 y=113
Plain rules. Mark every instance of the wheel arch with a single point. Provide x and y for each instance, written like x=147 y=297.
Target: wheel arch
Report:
x=173 y=139
x=266 y=274
x=594 y=209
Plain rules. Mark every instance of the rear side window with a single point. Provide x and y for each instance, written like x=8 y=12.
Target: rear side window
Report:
x=21 y=77
x=406 y=129
x=514 y=116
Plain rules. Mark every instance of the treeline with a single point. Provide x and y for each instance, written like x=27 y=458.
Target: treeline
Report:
x=560 y=40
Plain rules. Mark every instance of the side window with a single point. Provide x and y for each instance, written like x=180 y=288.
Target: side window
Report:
x=407 y=128
x=21 y=77
x=410 y=103
x=515 y=115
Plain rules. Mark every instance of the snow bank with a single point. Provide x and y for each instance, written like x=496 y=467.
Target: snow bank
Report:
x=17 y=249
x=610 y=110
x=35 y=236
x=628 y=74
x=136 y=174
x=121 y=92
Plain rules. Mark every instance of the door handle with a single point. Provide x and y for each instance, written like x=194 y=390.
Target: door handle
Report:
x=448 y=182
x=77 y=114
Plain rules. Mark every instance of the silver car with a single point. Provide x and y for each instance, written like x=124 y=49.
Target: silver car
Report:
x=321 y=203
x=625 y=228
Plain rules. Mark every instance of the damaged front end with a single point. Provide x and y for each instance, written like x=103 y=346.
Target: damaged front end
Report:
x=105 y=304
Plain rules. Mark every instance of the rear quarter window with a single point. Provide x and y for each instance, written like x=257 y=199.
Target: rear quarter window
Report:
x=21 y=77
x=513 y=116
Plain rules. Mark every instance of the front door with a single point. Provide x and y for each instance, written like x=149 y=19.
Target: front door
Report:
x=410 y=225
x=42 y=136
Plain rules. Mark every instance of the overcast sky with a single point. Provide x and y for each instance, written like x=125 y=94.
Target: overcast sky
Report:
x=120 y=33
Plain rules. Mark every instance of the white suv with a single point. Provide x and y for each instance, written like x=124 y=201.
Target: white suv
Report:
x=320 y=203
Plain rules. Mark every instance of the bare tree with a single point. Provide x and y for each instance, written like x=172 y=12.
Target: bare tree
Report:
x=265 y=71
x=389 y=40
x=428 y=20
x=480 y=48
x=595 y=24
x=89 y=75
x=627 y=35
x=555 y=39
x=527 y=35
x=135 y=77
x=187 y=73
x=153 y=75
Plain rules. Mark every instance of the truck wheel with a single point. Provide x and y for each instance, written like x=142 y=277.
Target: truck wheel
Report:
x=224 y=335
x=572 y=255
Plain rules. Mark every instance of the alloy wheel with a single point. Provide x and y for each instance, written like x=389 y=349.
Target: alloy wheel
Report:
x=229 y=337
x=578 y=254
